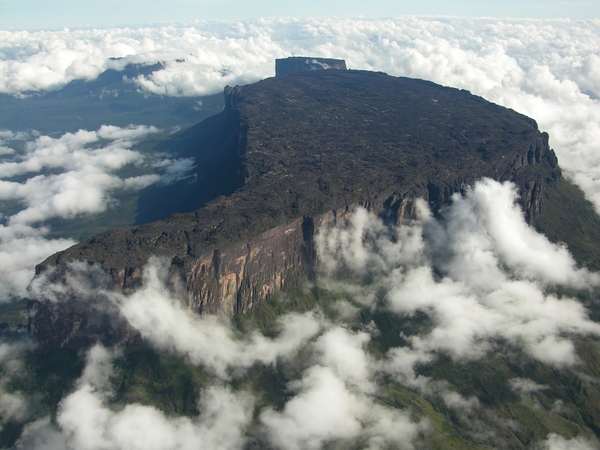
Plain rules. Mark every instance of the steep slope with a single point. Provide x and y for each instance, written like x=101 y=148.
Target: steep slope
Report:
x=304 y=148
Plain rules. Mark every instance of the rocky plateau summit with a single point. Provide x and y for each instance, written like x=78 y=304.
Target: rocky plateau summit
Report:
x=289 y=155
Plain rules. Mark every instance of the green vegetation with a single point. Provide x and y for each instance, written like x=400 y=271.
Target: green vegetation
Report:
x=14 y=313
x=147 y=377
x=570 y=218
x=169 y=382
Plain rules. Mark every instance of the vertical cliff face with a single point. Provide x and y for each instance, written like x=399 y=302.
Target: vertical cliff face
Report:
x=308 y=148
x=234 y=279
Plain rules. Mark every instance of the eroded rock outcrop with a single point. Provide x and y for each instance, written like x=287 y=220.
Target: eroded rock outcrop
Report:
x=309 y=146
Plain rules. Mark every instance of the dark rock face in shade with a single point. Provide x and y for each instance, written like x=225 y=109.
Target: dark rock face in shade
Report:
x=299 y=151
x=298 y=63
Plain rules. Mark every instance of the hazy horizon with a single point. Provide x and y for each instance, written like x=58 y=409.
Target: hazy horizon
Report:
x=58 y=14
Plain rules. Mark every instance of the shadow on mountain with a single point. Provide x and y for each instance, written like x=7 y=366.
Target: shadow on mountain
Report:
x=213 y=145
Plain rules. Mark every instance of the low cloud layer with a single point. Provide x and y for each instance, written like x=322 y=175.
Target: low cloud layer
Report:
x=334 y=397
x=43 y=178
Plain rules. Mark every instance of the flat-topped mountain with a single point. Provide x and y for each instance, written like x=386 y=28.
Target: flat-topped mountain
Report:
x=293 y=151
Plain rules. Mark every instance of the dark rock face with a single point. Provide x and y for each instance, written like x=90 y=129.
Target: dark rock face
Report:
x=297 y=63
x=308 y=147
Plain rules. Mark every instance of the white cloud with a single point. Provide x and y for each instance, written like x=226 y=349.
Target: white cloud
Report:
x=480 y=273
x=66 y=177
x=21 y=248
x=207 y=340
x=526 y=386
x=41 y=434
x=324 y=410
x=334 y=401
x=556 y=442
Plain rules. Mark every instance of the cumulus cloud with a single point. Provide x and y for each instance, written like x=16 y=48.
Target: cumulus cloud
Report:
x=86 y=174
x=480 y=273
x=75 y=174
x=334 y=401
x=325 y=410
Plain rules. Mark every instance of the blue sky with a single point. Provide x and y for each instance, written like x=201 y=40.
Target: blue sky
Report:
x=57 y=14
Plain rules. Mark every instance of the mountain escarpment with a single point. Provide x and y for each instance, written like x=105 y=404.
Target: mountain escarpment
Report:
x=293 y=153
